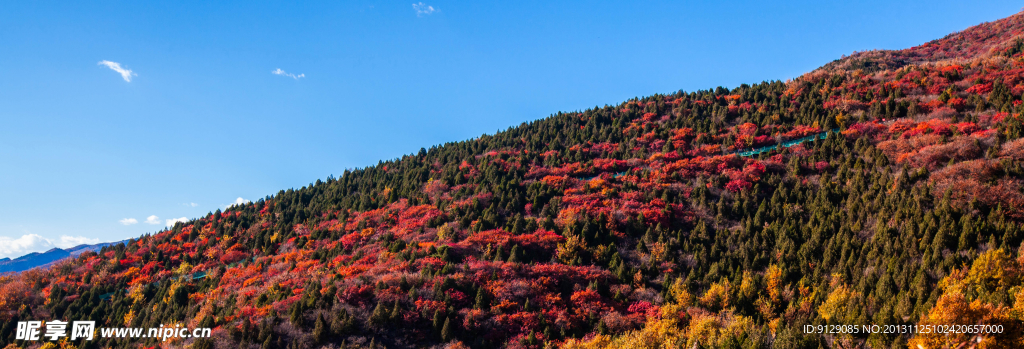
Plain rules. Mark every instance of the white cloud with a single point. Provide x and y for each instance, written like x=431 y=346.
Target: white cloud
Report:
x=28 y=243
x=153 y=220
x=72 y=241
x=191 y=204
x=238 y=201
x=284 y=73
x=170 y=222
x=129 y=221
x=125 y=73
x=423 y=9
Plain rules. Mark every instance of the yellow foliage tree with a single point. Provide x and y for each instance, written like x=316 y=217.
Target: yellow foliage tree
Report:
x=717 y=296
x=670 y=331
x=748 y=289
x=773 y=277
x=681 y=326
x=978 y=296
x=128 y=317
x=571 y=249
x=834 y=309
x=136 y=294
x=661 y=332
x=992 y=274
x=680 y=294
x=445 y=232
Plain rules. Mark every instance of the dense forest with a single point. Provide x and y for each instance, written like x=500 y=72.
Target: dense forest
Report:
x=638 y=225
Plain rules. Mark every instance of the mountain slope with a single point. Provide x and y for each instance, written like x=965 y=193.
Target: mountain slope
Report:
x=632 y=224
x=989 y=39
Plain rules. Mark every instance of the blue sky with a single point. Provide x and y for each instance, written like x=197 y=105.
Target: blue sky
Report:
x=204 y=121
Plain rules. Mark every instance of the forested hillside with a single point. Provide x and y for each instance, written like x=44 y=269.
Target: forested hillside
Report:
x=633 y=225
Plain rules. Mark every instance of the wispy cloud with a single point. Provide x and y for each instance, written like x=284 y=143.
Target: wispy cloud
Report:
x=191 y=204
x=423 y=9
x=170 y=222
x=129 y=221
x=72 y=241
x=153 y=220
x=125 y=73
x=28 y=243
x=279 y=71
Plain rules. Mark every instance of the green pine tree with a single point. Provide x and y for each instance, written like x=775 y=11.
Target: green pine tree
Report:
x=320 y=329
x=513 y=255
x=481 y=299
x=396 y=312
x=446 y=331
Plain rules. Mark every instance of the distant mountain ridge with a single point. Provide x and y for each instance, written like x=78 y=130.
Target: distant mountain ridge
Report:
x=45 y=259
